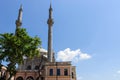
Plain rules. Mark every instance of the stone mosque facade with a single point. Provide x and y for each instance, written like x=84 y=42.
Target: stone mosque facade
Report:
x=44 y=67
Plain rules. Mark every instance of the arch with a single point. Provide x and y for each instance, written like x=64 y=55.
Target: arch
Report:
x=19 y=78
x=37 y=78
x=30 y=78
x=40 y=78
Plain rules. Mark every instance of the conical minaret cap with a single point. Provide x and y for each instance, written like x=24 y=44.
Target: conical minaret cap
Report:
x=50 y=21
x=19 y=19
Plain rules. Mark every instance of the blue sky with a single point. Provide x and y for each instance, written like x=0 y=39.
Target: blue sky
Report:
x=82 y=27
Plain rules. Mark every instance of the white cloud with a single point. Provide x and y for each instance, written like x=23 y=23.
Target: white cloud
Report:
x=118 y=71
x=72 y=55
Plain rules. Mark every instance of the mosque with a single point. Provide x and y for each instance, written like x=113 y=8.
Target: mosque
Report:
x=44 y=67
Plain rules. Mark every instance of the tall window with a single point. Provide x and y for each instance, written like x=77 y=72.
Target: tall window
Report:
x=72 y=75
x=51 y=72
x=58 y=72
x=66 y=72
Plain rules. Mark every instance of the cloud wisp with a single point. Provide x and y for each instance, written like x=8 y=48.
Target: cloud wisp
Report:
x=72 y=55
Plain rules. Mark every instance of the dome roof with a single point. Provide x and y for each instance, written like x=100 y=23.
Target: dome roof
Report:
x=42 y=50
x=3 y=68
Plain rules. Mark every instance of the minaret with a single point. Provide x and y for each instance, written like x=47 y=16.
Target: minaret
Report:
x=19 y=20
x=50 y=24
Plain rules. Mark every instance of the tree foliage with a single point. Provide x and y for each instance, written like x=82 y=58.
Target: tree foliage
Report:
x=13 y=48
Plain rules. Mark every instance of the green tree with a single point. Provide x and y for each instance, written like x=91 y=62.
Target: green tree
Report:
x=13 y=48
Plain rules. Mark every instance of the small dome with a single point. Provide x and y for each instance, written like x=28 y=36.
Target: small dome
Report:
x=42 y=50
x=4 y=68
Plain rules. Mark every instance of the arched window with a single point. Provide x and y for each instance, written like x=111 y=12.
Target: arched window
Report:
x=37 y=78
x=36 y=67
x=30 y=78
x=19 y=78
x=28 y=67
x=41 y=78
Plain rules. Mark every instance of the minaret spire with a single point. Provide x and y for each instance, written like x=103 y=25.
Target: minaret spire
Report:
x=19 y=19
x=50 y=23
